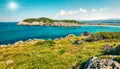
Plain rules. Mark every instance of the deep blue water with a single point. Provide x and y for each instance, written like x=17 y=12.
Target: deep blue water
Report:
x=11 y=33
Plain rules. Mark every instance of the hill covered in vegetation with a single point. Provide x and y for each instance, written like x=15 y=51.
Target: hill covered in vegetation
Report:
x=63 y=53
x=43 y=21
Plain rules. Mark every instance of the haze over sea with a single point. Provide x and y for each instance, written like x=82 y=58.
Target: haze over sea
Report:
x=10 y=32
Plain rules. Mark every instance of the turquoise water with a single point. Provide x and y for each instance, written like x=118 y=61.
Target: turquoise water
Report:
x=11 y=33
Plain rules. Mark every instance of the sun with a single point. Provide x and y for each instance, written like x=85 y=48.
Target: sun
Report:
x=13 y=5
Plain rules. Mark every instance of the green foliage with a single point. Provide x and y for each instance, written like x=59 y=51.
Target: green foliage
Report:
x=112 y=50
x=43 y=19
x=68 y=21
x=62 y=51
x=30 y=20
x=118 y=50
x=106 y=35
x=105 y=57
x=45 y=43
x=47 y=20
x=117 y=58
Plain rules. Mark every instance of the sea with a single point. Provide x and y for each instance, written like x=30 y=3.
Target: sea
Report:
x=10 y=32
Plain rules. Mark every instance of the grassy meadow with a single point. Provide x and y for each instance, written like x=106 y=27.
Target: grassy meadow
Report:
x=60 y=53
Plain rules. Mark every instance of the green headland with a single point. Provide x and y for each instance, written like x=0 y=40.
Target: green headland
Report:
x=43 y=21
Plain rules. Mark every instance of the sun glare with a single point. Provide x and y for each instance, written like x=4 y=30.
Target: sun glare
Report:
x=12 y=5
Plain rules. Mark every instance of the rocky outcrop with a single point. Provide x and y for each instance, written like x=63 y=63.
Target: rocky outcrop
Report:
x=49 y=24
x=78 y=42
x=99 y=63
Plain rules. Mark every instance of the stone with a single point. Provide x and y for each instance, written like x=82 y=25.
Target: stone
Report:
x=9 y=62
x=78 y=42
x=99 y=63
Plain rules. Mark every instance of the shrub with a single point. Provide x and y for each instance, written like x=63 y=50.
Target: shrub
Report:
x=62 y=51
x=105 y=57
x=108 y=50
x=30 y=20
x=117 y=59
x=45 y=43
x=106 y=35
x=118 y=50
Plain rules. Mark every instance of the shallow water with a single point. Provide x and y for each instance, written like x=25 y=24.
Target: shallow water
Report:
x=10 y=32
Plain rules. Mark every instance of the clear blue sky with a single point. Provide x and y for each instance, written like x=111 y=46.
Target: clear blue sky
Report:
x=17 y=10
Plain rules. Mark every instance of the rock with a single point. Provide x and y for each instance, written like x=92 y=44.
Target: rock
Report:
x=71 y=35
x=89 y=39
x=86 y=33
x=98 y=63
x=19 y=42
x=78 y=42
x=9 y=62
x=3 y=45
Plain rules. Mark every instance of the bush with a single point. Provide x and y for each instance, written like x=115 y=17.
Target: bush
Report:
x=106 y=35
x=108 y=50
x=30 y=20
x=118 y=50
x=117 y=59
x=45 y=43
x=101 y=36
x=62 y=51
x=105 y=57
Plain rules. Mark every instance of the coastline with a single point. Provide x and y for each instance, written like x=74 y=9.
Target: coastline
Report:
x=102 y=25
x=70 y=26
x=60 y=24
x=32 y=41
x=57 y=24
x=74 y=25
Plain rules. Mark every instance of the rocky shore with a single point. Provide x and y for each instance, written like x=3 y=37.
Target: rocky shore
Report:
x=50 y=24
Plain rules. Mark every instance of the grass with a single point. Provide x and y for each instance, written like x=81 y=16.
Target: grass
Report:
x=51 y=54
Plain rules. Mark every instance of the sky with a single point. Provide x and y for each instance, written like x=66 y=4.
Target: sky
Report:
x=17 y=10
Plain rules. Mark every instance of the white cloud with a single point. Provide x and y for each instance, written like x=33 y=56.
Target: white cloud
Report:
x=85 y=14
x=104 y=9
x=71 y=12
x=94 y=10
x=61 y=13
x=101 y=9
x=83 y=10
